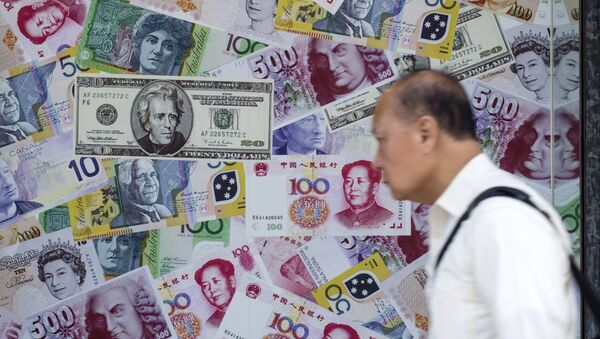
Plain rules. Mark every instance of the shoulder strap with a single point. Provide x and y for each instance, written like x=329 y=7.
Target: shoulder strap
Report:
x=587 y=292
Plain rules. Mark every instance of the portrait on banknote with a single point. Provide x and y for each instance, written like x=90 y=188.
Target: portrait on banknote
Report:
x=261 y=15
x=361 y=184
x=216 y=279
x=12 y=204
x=531 y=49
x=125 y=310
x=139 y=186
x=566 y=65
x=120 y=254
x=339 y=331
x=13 y=125
x=417 y=243
x=306 y=136
x=158 y=111
x=351 y=19
x=407 y=63
x=338 y=69
x=61 y=268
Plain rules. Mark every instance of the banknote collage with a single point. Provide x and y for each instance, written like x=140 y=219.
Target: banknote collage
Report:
x=139 y=198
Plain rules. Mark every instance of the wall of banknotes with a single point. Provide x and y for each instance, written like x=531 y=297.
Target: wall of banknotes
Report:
x=202 y=168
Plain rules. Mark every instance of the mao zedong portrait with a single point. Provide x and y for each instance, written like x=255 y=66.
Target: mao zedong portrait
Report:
x=12 y=126
x=140 y=189
x=338 y=69
x=60 y=267
x=217 y=282
x=160 y=44
x=10 y=205
x=52 y=19
x=159 y=109
x=361 y=183
x=339 y=331
x=126 y=310
x=305 y=136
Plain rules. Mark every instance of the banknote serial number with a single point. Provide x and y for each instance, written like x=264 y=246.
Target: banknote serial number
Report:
x=227 y=134
x=106 y=95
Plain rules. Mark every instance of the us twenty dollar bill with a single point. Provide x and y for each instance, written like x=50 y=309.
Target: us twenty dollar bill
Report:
x=127 y=306
x=115 y=26
x=45 y=270
x=153 y=116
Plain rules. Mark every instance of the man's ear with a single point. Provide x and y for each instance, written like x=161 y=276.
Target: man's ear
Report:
x=232 y=281
x=427 y=132
x=375 y=188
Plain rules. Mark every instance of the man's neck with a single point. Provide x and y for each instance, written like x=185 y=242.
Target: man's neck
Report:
x=8 y=211
x=265 y=26
x=358 y=210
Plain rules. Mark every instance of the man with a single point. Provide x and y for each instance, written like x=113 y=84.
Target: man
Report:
x=361 y=183
x=51 y=19
x=139 y=184
x=507 y=270
x=216 y=279
x=305 y=136
x=10 y=205
x=159 y=111
x=119 y=254
x=339 y=331
x=348 y=20
x=11 y=129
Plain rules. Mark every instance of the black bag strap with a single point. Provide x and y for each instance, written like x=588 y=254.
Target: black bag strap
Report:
x=587 y=292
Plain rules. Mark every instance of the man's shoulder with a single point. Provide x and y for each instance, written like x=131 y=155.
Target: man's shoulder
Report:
x=25 y=206
x=162 y=210
x=280 y=150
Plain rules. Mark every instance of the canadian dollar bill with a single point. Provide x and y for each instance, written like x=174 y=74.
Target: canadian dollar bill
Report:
x=246 y=18
x=143 y=194
x=310 y=135
x=43 y=174
x=39 y=99
x=152 y=116
x=320 y=195
x=42 y=29
x=115 y=29
x=127 y=306
x=523 y=10
x=406 y=289
x=312 y=73
x=199 y=294
x=260 y=310
x=357 y=294
x=479 y=45
x=45 y=270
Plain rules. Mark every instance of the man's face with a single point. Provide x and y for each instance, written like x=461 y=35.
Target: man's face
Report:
x=345 y=64
x=306 y=135
x=144 y=186
x=260 y=10
x=566 y=164
x=48 y=18
x=538 y=159
x=157 y=53
x=163 y=120
x=357 y=9
x=9 y=105
x=9 y=192
x=532 y=70
x=115 y=253
x=358 y=188
x=217 y=288
x=338 y=333
x=60 y=279
x=404 y=168
x=113 y=312
x=567 y=71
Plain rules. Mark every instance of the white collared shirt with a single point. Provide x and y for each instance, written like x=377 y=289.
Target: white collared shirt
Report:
x=506 y=273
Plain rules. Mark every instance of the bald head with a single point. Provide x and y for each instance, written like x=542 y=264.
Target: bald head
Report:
x=435 y=94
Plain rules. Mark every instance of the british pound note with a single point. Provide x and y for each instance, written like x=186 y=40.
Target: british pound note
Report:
x=199 y=294
x=43 y=28
x=143 y=194
x=166 y=45
x=45 y=270
x=406 y=289
x=423 y=27
x=479 y=46
x=39 y=99
x=310 y=135
x=357 y=294
x=44 y=174
x=248 y=18
x=523 y=10
x=150 y=116
x=312 y=73
x=127 y=306
x=321 y=195
x=260 y=310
